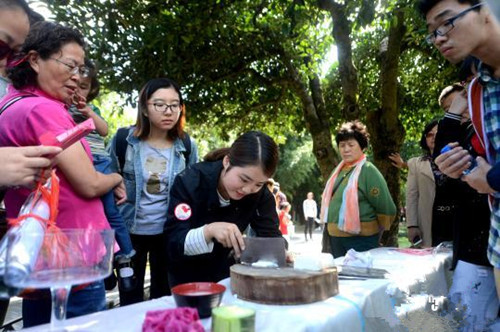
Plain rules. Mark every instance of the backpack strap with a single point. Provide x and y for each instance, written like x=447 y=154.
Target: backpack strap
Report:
x=187 y=144
x=476 y=111
x=121 y=145
x=12 y=101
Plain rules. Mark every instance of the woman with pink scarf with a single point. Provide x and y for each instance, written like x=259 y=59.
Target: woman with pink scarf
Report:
x=356 y=204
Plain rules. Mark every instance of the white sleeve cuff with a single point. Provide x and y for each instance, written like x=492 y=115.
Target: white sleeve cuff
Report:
x=195 y=243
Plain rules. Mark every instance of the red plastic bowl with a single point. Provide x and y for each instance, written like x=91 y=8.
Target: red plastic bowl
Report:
x=204 y=296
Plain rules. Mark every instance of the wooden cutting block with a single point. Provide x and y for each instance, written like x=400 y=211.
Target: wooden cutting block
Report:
x=283 y=285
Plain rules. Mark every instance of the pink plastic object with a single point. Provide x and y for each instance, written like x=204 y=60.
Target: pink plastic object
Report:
x=68 y=137
x=414 y=251
x=172 y=320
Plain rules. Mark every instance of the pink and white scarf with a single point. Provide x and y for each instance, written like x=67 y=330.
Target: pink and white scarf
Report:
x=349 y=210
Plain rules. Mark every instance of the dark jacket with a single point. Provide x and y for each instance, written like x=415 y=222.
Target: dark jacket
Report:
x=197 y=187
x=472 y=220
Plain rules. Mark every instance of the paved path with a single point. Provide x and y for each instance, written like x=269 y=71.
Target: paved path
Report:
x=298 y=244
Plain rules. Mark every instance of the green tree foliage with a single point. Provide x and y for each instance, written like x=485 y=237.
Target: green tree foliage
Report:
x=113 y=112
x=298 y=164
x=243 y=64
x=224 y=53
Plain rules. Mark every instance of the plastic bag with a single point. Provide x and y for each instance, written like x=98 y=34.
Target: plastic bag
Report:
x=359 y=259
x=37 y=215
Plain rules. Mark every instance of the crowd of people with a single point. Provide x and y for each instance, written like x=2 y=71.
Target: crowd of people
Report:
x=188 y=218
x=451 y=187
x=138 y=182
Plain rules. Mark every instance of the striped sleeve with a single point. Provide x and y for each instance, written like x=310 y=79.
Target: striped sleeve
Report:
x=195 y=243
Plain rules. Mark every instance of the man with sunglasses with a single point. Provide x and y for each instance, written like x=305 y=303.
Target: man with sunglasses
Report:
x=459 y=28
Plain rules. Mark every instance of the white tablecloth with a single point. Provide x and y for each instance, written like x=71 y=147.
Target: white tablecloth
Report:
x=362 y=305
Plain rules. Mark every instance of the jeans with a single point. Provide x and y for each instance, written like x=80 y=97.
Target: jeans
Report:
x=473 y=295
x=81 y=302
x=154 y=245
x=115 y=219
x=340 y=245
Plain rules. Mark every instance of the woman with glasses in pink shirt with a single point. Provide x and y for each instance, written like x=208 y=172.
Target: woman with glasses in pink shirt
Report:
x=45 y=77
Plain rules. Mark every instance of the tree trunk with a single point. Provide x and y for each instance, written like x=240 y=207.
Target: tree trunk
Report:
x=315 y=117
x=341 y=32
x=319 y=120
x=387 y=132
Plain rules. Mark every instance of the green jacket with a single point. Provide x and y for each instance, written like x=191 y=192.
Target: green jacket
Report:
x=376 y=207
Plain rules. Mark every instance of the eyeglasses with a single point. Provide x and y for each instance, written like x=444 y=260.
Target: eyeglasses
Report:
x=5 y=50
x=448 y=25
x=162 y=108
x=74 y=70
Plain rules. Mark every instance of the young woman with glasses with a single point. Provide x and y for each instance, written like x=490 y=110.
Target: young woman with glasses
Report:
x=154 y=153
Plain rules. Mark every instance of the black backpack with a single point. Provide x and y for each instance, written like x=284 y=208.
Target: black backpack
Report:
x=121 y=146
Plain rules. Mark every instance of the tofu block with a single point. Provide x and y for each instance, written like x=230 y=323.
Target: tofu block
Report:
x=313 y=262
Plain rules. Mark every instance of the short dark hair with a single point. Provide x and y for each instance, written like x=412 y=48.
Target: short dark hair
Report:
x=423 y=139
x=253 y=148
x=35 y=17
x=45 y=38
x=424 y=6
x=142 y=125
x=455 y=87
x=353 y=130
x=95 y=86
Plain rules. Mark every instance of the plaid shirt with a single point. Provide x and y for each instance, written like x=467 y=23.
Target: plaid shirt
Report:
x=491 y=123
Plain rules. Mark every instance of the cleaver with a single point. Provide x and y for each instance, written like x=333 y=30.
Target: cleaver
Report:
x=267 y=251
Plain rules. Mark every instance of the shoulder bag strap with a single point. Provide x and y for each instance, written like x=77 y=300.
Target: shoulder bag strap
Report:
x=342 y=180
x=187 y=144
x=12 y=101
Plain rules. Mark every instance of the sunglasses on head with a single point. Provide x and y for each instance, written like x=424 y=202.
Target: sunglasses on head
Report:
x=5 y=50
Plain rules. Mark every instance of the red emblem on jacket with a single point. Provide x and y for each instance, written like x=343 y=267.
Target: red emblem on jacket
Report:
x=182 y=211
